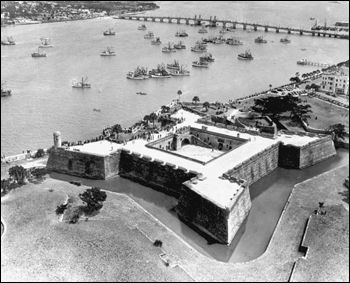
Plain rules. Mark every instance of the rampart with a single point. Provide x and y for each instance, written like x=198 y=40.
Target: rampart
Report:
x=159 y=175
x=82 y=164
x=221 y=223
x=256 y=166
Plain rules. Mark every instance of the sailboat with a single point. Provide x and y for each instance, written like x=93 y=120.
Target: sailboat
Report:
x=108 y=52
x=8 y=41
x=82 y=84
x=45 y=43
x=180 y=72
x=39 y=53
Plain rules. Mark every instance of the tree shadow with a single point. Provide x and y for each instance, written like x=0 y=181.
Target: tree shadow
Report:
x=345 y=194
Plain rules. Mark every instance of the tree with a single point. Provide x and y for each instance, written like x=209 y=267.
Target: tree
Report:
x=40 y=153
x=206 y=105
x=165 y=109
x=18 y=173
x=153 y=117
x=338 y=130
x=195 y=99
x=270 y=86
x=179 y=92
x=93 y=198
x=117 y=128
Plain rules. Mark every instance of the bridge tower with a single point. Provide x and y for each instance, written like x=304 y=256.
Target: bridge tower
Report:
x=289 y=31
x=145 y=19
x=153 y=19
x=187 y=21
x=224 y=24
x=255 y=27
x=266 y=28
x=197 y=22
x=244 y=26
x=138 y=18
x=234 y=25
x=161 y=20
x=277 y=30
x=301 y=32
x=178 y=20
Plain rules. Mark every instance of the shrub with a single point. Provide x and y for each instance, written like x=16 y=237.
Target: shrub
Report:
x=40 y=153
x=74 y=218
x=61 y=208
x=158 y=243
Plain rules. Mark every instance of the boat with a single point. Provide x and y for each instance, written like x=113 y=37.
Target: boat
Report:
x=180 y=45
x=202 y=30
x=142 y=27
x=200 y=64
x=199 y=48
x=180 y=72
x=4 y=90
x=174 y=66
x=218 y=40
x=45 y=43
x=9 y=41
x=312 y=18
x=234 y=41
x=232 y=29
x=285 y=40
x=260 y=39
x=109 y=32
x=302 y=62
x=207 y=57
x=246 y=55
x=250 y=30
x=82 y=84
x=160 y=72
x=108 y=52
x=168 y=49
x=149 y=35
x=140 y=73
x=223 y=31
x=156 y=41
x=39 y=53
x=202 y=41
x=181 y=33
x=141 y=93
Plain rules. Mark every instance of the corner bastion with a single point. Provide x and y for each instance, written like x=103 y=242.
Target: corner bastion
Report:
x=213 y=195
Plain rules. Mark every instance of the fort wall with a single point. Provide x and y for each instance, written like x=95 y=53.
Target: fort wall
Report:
x=159 y=175
x=79 y=164
x=220 y=223
x=256 y=166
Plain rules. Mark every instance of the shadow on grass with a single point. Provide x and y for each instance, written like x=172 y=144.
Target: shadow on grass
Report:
x=345 y=194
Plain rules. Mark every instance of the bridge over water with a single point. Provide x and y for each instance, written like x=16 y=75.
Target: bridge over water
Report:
x=213 y=22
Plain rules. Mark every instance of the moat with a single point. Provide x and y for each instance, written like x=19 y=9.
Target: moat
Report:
x=268 y=196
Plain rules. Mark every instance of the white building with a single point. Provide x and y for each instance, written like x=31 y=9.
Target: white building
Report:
x=336 y=82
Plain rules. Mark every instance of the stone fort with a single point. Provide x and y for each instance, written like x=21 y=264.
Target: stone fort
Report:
x=208 y=167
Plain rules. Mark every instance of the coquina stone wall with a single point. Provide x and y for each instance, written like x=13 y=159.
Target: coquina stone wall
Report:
x=159 y=175
x=257 y=166
x=316 y=151
x=220 y=223
x=81 y=164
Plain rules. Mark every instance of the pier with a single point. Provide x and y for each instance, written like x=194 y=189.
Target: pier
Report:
x=213 y=22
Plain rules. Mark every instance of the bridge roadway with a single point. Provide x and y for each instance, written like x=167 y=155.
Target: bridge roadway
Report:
x=213 y=22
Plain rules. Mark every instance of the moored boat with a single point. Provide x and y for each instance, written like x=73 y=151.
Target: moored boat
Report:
x=108 y=52
x=181 y=33
x=140 y=73
x=169 y=48
x=149 y=35
x=200 y=64
x=260 y=39
x=109 y=32
x=285 y=40
x=142 y=27
x=246 y=55
x=202 y=30
x=180 y=45
x=234 y=41
x=302 y=62
x=160 y=72
x=39 y=53
x=156 y=41
x=174 y=66
x=9 y=41
x=199 y=48
x=207 y=57
x=45 y=43
x=82 y=84
x=181 y=72
x=4 y=90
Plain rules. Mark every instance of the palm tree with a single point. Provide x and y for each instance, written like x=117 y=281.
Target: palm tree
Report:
x=179 y=92
x=270 y=85
x=195 y=99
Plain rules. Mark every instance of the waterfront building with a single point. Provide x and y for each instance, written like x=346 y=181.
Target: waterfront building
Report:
x=336 y=82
